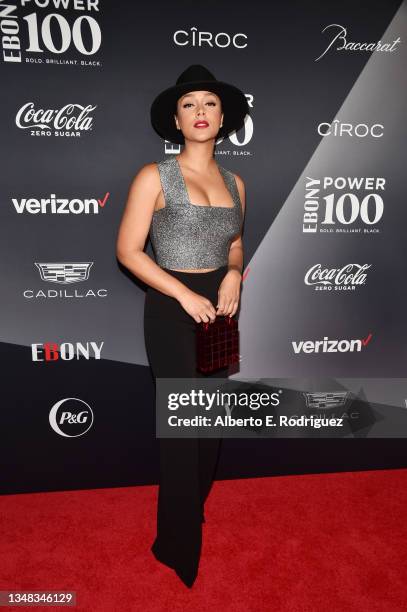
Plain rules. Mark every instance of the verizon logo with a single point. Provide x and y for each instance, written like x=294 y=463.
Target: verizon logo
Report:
x=331 y=346
x=60 y=206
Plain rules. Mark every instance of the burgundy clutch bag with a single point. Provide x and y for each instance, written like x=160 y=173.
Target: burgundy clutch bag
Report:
x=217 y=344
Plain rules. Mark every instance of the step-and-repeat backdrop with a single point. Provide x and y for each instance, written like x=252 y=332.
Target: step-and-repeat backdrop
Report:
x=322 y=155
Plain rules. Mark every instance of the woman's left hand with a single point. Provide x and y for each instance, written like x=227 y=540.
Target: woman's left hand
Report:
x=229 y=293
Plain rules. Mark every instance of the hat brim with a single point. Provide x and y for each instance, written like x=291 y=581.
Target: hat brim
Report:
x=234 y=106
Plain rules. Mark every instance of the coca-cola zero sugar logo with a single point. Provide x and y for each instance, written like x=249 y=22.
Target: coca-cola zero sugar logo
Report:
x=347 y=278
x=70 y=120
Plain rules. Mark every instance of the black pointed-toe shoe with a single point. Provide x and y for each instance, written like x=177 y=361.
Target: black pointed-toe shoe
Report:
x=187 y=577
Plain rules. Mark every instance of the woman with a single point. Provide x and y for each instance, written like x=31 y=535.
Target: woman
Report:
x=193 y=209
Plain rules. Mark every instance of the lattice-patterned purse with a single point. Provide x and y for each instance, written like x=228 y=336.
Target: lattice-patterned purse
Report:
x=217 y=344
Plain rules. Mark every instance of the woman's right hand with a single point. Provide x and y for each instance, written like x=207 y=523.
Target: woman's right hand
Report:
x=198 y=306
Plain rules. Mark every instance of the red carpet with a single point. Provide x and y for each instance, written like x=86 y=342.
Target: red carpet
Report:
x=314 y=543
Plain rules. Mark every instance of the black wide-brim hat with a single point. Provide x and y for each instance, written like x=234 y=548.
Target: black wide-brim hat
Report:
x=195 y=78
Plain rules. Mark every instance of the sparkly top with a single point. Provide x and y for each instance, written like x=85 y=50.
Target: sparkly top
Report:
x=185 y=235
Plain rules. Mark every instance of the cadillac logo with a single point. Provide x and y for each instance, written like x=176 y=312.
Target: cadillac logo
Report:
x=64 y=273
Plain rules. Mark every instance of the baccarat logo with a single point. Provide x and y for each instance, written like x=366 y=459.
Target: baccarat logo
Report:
x=339 y=41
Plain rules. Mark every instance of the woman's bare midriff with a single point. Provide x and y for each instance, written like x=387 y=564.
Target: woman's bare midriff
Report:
x=199 y=270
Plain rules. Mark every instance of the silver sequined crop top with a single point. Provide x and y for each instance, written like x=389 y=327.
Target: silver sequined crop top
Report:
x=185 y=235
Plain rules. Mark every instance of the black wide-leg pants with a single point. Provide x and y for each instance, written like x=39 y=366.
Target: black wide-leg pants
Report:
x=187 y=465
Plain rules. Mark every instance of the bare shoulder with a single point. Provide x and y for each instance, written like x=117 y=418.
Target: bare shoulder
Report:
x=147 y=172
x=147 y=179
